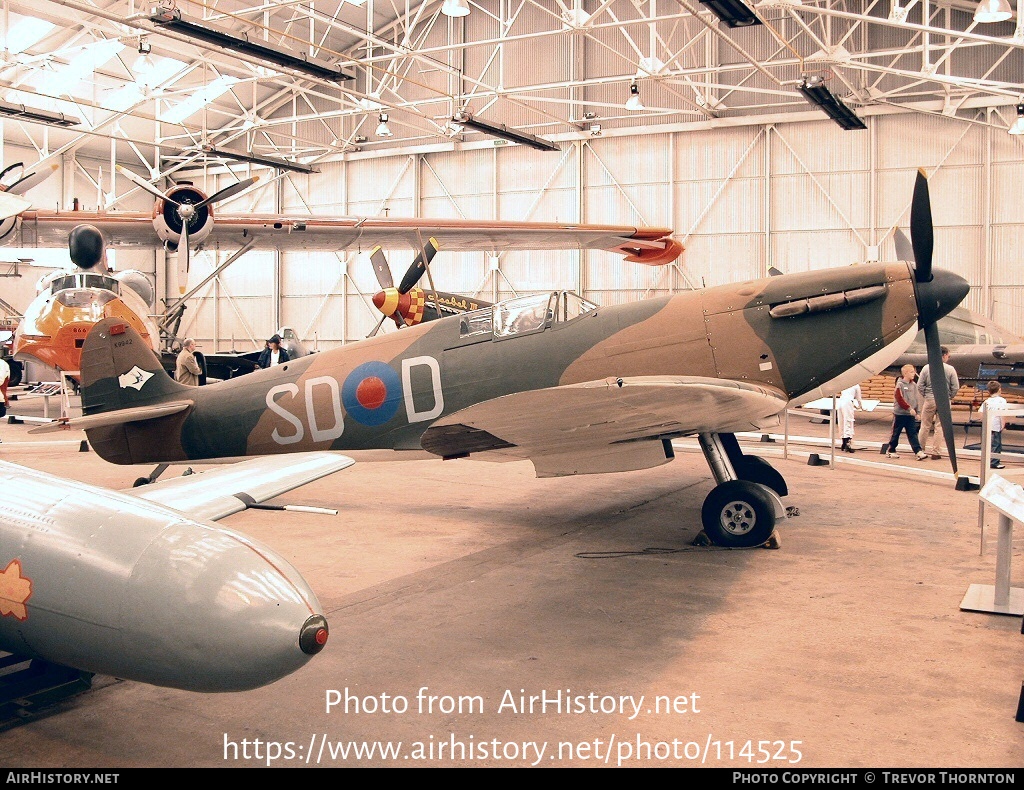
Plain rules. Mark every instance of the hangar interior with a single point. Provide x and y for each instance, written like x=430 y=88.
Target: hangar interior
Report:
x=655 y=113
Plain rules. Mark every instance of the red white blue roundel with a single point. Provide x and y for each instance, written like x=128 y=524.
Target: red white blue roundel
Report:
x=372 y=393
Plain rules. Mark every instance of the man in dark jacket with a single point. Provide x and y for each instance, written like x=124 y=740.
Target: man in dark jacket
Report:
x=273 y=354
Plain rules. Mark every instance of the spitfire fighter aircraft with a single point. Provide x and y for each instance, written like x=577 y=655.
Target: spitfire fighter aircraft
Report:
x=141 y=585
x=574 y=388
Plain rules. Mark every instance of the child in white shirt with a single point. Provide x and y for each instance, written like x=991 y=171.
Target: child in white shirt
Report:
x=995 y=401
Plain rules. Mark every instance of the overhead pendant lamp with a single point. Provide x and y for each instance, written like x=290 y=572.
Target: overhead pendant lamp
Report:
x=993 y=11
x=1017 y=127
x=455 y=8
x=383 y=130
x=633 y=102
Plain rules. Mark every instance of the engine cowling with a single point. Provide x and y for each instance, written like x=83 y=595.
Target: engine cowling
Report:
x=167 y=220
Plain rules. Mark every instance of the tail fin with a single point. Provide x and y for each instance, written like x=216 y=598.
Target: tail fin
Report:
x=119 y=372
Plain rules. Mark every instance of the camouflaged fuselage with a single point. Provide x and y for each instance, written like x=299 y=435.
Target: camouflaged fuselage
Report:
x=795 y=333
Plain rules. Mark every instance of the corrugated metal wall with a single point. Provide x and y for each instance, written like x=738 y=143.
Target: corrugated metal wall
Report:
x=796 y=196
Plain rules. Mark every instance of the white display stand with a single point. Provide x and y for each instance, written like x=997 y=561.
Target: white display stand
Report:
x=1003 y=491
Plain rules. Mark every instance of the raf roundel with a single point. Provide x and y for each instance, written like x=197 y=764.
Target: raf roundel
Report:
x=372 y=393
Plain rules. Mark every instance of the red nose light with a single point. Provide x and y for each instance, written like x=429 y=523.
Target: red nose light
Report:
x=313 y=635
x=117 y=329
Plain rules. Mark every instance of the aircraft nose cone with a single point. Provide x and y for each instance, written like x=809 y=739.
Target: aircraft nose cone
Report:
x=212 y=611
x=387 y=300
x=940 y=295
x=313 y=635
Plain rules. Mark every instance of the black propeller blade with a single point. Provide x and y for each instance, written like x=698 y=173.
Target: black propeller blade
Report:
x=921 y=233
x=930 y=293
x=228 y=191
x=940 y=388
x=415 y=272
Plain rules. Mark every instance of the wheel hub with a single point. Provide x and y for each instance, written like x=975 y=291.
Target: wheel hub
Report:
x=738 y=518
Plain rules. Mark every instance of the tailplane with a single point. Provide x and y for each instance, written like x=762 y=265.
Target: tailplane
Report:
x=128 y=400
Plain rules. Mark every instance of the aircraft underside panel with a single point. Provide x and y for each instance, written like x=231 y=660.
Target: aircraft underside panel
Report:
x=544 y=425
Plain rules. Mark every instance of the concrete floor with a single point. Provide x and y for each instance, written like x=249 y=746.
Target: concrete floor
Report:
x=844 y=648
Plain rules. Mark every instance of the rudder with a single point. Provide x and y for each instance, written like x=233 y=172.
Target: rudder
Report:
x=120 y=370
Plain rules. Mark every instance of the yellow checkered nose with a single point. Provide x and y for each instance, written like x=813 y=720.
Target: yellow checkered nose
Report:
x=387 y=300
x=411 y=305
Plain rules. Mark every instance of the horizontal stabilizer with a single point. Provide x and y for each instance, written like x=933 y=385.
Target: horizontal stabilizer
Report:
x=219 y=492
x=136 y=414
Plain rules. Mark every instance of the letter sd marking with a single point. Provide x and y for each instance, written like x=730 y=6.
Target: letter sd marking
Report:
x=372 y=393
x=290 y=418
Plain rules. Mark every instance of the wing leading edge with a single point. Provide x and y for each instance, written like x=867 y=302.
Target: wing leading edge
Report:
x=217 y=493
x=653 y=246
x=627 y=419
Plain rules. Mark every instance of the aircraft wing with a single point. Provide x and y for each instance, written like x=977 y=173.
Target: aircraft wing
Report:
x=603 y=426
x=219 y=492
x=653 y=246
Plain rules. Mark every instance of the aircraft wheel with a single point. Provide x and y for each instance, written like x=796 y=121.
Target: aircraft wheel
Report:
x=140 y=481
x=17 y=372
x=738 y=514
x=755 y=469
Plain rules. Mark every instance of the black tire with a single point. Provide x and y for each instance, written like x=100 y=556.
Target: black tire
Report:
x=738 y=514
x=140 y=481
x=755 y=469
x=17 y=373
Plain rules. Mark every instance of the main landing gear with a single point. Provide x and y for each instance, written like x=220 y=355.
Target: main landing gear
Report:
x=740 y=512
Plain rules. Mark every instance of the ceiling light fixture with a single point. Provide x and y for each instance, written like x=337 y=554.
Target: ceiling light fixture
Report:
x=1017 y=127
x=818 y=94
x=455 y=8
x=172 y=19
x=633 y=103
x=36 y=114
x=993 y=11
x=734 y=13
x=383 y=130
x=503 y=132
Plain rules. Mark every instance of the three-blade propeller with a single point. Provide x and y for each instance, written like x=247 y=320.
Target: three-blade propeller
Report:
x=186 y=212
